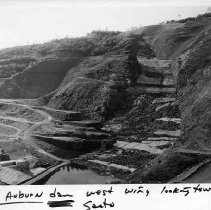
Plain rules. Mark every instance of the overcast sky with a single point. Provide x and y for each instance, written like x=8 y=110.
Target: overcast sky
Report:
x=36 y=21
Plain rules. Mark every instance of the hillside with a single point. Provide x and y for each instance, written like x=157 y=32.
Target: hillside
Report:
x=190 y=67
x=169 y=39
x=50 y=62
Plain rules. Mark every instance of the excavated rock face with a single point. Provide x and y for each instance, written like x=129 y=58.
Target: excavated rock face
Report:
x=97 y=86
x=134 y=45
x=194 y=85
x=191 y=68
x=93 y=97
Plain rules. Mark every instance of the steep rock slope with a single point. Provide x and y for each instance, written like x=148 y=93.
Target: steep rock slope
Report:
x=191 y=69
x=194 y=85
x=116 y=70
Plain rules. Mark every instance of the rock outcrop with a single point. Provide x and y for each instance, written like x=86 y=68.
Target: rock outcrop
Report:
x=97 y=99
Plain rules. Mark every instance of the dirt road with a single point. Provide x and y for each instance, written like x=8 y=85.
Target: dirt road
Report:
x=25 y=135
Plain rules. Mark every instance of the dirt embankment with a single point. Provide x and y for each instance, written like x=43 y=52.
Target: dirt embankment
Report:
x=38 y=80
x=169 y=40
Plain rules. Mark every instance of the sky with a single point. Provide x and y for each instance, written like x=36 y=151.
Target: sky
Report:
x=36 y=21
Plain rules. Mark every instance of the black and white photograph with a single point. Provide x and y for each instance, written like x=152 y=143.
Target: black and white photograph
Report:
x=105 y=92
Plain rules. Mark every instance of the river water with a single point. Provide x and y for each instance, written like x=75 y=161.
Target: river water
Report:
x=72 y=174
x=77 y=175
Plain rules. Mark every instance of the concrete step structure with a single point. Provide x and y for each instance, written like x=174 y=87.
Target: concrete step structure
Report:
x=155 y=63
x=156 y=143
x=163 y=100
x=75 y=143
x=156 y=80
x=155 y=72
x=139 y=146
x=140 y=84
x=137 y=90
x=162 y=138
x=86 y=123
x=168 y=81
x=143 y=79
x=18 y=162
x=175 y=133
x=167 y=119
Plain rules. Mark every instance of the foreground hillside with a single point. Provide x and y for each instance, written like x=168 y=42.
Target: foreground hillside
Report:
x=140 y=96
x=189 y=46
